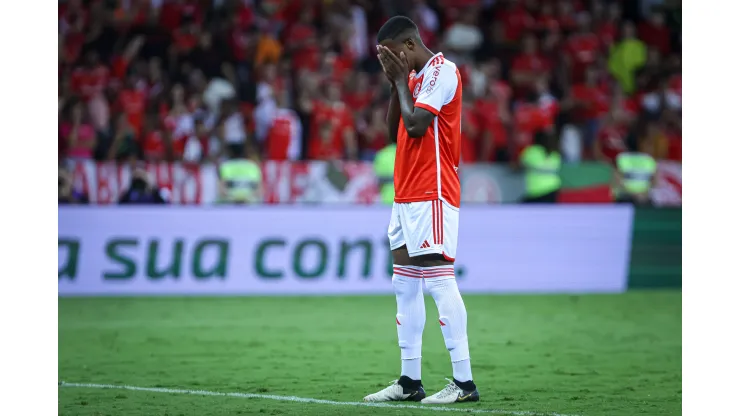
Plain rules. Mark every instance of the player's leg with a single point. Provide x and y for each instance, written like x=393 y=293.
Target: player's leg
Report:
x=435 y=258
x=410 y=319
x=453 y=320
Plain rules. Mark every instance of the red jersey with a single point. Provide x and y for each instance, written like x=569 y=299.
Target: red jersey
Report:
x=528 y=119
x=133 y=103
x=328 y=126
x=284 y=137
x=89 y=82
x=426 y=167
x=470 y=134
x=582 y=49
x=597 y=102
x=489 y=119
x=612 y=141
x=516 y=21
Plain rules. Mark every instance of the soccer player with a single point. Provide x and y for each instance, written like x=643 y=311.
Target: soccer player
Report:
x=424 y=116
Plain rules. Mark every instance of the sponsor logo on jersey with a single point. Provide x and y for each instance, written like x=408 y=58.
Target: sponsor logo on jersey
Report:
x=433 y=82
x=417 y=89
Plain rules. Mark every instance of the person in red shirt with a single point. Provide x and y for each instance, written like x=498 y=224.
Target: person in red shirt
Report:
x=655 y=33
x=89 y=80
x=546 y=20
x=581 y=49
x=335 y=68
x=120 y=63
x=471 y=129
x=675 y=139
x=295 y=36
x=536 y=114
x=178 y=123
x=529 y=66
x=494 y=119
x=589 y=104
x=132 y=101
x=332 y=126
x=517 y=20
x=493 y=113
x=612 y=137
x=566 y=15
x=283 y=141
x=374 y=136
x=185 y=38
x=608 y=29
x=73 y=41
x=425 y=117
x=359 y=95
x=173 y=13
x=79 y=136
x=154 y=142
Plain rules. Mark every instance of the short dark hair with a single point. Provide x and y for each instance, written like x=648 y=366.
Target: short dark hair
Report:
x=395 y=26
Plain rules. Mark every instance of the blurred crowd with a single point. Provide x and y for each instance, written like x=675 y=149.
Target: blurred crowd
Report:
x=209 y=80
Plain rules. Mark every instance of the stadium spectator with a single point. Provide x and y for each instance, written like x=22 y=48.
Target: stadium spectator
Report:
x=141 y=190
x=581 y=49
x=374 y=136
x=611 y=139
x=541 y=162
x=463 y=36
x=627 y=55
x=589 y=104
x=240 y=180
x=528 y=67
x=79 y=136
x=122 y=138
x=195 y=77
x=68 y=194
x=655 y=33
x=636 y=170
x=283 y=141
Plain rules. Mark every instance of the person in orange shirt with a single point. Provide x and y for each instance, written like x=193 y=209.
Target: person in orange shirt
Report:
x=425 y=118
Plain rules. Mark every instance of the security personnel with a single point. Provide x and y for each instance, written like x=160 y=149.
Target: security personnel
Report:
x=635 y=177
x=542 y=165
x=241 y=181
x=383 y=165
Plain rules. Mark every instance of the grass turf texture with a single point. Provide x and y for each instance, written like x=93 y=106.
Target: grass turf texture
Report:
x=587 y=355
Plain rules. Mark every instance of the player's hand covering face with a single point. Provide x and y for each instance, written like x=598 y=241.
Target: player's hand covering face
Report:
x=396 y=68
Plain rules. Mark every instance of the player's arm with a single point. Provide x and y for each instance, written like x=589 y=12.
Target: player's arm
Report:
x=416 y=119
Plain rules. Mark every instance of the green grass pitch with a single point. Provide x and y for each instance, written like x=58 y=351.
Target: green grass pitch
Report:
x=616 y=355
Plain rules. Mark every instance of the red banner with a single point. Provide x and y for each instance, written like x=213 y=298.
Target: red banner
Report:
x=668 y=189
x=103 y=183
x=284 y=182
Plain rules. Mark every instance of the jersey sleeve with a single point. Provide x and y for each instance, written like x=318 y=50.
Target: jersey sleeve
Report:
x=438 y=88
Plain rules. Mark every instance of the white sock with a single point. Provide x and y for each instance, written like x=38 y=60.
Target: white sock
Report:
x=410 y=318
x=461 y=370
x=411 y=368
x=453 y=318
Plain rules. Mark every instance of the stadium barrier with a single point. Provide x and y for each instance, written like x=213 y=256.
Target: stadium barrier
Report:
x=355 y=182
x=655 y=260
x=332 y=249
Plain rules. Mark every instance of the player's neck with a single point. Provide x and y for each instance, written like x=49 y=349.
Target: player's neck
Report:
x=424 y=56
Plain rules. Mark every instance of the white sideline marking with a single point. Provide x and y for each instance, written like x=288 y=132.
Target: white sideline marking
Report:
x=309 y=400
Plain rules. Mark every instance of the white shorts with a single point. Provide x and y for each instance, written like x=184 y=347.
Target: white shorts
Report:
x=425 y=227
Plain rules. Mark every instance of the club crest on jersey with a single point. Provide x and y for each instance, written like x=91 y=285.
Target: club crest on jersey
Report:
x=417 y=89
